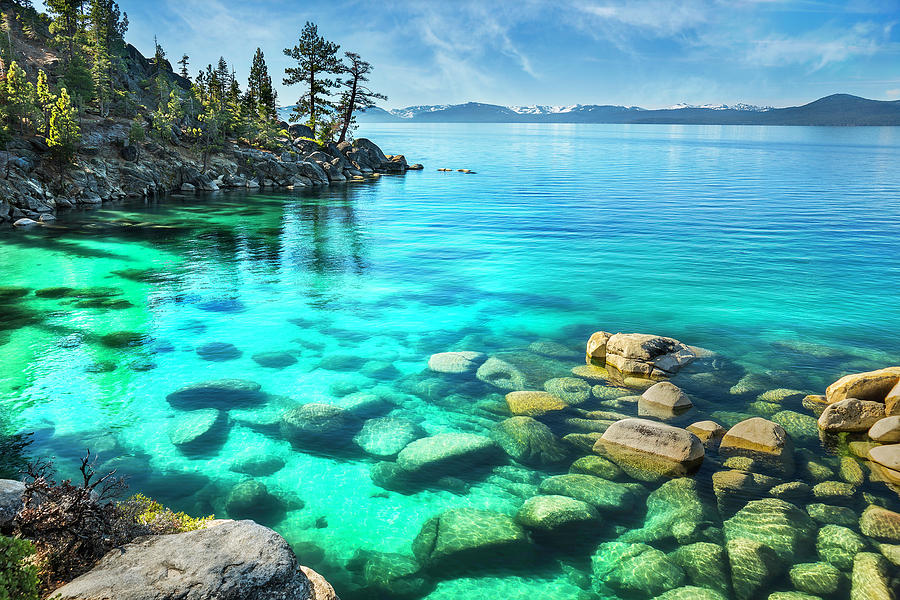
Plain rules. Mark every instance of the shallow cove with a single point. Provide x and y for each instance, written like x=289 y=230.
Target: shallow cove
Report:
x=775 y=247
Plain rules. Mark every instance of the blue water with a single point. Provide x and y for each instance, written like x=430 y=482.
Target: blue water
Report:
x=774 y=247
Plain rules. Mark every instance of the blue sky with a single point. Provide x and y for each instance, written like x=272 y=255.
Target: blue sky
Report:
x=650 y=53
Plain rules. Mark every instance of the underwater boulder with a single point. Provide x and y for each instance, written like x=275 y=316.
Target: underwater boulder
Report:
x=456 y=363
x=816 y=578
x=219 y=393
x=258 y=466
x=763 y=441
x=392 y=574
x=871 y=578
x=385 y=437
x=571 y=390
x=447 y=453
x=648 y=450
x=251 y=499
x=529 y=442
x=633 y=569
x=668 y=396
x=753 y=567
x=464 y=538
x=838 y=545
x=706 y=565
x=533 y=403
x=557 y=515
x=881 y=524
x=274 y=360
x=690 y=592
x=219 y=352
x=709 y=432
x=780 y=525
x=501 y=374
x=677 y=510
x=199 y=431
x=598 y=467
x=316 y=424
x=605 y=496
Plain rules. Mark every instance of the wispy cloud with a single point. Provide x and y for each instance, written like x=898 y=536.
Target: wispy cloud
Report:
x=820 y=48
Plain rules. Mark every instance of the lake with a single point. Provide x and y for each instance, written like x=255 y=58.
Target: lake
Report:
x=775 y=248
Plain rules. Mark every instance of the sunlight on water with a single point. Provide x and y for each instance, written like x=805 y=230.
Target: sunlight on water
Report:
x=775 y=247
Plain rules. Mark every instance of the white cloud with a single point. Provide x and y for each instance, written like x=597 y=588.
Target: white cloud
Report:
x=819 y=48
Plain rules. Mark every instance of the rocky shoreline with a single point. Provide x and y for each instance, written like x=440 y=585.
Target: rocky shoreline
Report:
x=628 y=457
x=112 y=168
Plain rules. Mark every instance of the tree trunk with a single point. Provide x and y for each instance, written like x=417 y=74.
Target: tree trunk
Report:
x=312 y=100
x=349 y=113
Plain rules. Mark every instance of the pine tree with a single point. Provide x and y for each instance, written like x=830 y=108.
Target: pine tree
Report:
x=64 y=131
x=44 y=99
x=65 y=15
x=316 y=60
x=185 y=60
x=357 y=97
x=19 y=97
x=107 y=26
x=260 y=93
x=161 y=76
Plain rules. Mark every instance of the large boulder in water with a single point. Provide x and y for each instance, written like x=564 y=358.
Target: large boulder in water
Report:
x=316 y=423
x=763 y=441
x=501 y=374
x=447 y=453
x=605 y=496
x=529 y=442
x=465 y=538
x=220 y=393
x=384 y=437
x=456 y=363
x=199 y=431
x=646 y=355
x=872 y=385
x=235 y=560
x=851 y=414
x=251 y=499
x=649 y=450
x=633 y=570
x=677 y=510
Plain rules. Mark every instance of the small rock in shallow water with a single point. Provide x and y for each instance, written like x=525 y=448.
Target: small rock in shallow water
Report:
x=123 y=339
x=870 y=578
x=219 y=352
x=709 y=432
x=274 y=360
x=838 y=545
x=605 y=496
x=501 y=374
x=251 y=500
x=886 y=430
x=634 y=569
x=529 y=441
x=316 y=423
x=881 y=524
x=816 y=578
x=556 y=514
x=571 y=390
x=258 y=466
x=447 y=453
x=832 y=515
x=598 y=467
x=760 y=440
x=386 y=436
x=219 y=393
x=456 y=363
x=705 y=563
x=533 y=404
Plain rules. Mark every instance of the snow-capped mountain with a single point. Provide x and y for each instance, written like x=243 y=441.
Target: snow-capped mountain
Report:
x=738 y=106
x=411 y=111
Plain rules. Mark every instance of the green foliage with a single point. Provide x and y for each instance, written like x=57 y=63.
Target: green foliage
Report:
x=77 y=79
x=357 y=97
x=136 y=133
x=44 y=101
x=19 y=97
x=18 y=577
x=316 y=60
x=159 y=519
x=65 y=133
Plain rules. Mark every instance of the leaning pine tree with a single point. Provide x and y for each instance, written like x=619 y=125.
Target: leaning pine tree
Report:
x=64 y=131
x=357 y=96
x=316 y=60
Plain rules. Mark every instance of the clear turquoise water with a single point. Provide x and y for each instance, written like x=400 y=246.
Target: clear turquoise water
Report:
x=775 y=247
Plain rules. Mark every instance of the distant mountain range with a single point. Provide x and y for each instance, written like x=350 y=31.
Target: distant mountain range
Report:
x=838 y=109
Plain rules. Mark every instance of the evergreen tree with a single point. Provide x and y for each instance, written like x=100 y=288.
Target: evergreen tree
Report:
x=357 y=96
x=65 y=16
x=19 y=97
x=106 y=31
x=65 y=133
x=44 y=99
x=161 y=76
x=316 y=60
x=260 y=93
x=185 y=60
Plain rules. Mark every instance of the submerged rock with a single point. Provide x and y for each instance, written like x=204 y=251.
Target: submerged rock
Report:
x=777 y=524
x=258 y=466
x=556 y=514
x=447 y=453
x=753 y=566
x=838 y=545
x=529 y=441
x=251 y=500
x=870 y=579
x=274 y=360
x=605 y=496
x=235 y=560
x=316 y=423
x=690 y=592
x=634 y=569
x=465 y=538
x=220 y=393
x=571 y=390
x=199 y=430
x=677 y=510
x=666 y=395
x=851 y=414
x=219 y=352
x=533 y=404
x=816 y=578
x=598 y=467
x=456 y=362
x=709 y=432
x=501 y=374
x=648 y=450
x=386 y=436
x=394 y=575
x=760 y=440
x=881 y=524
x=706 y=565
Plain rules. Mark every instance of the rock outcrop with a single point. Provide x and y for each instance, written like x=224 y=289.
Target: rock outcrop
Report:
x=649 y=450
x=232 y=560
x=639 y=354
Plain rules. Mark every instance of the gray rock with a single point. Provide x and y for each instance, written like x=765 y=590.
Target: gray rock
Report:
x=236 y=560
x=649 y=450
x=220 y=393
x=666 y=394
x=274 y=360
x=886 y=431
x=447 y=453
x=10 y=499
x=258 y=466
x=851 y=415
x=647 y=355
x=571 y=390
x=456 y=362
x=760 y=440
x=501 y=374
x=384 y=437
x=529 y=441
x=198 y=430
x=556 y=514
x=317 y=423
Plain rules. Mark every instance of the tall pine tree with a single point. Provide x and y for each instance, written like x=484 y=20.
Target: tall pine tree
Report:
x=357 y=96
x=316 y=61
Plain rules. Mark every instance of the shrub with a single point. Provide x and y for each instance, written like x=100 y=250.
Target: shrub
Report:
x=18 y=574
x=157 y=518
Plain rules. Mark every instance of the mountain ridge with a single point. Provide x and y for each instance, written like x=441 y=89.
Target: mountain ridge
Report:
x=833 y=110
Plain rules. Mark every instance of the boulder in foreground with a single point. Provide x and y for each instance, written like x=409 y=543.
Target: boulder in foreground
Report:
x=649 y=450
x=235 y=560
x=642 y=354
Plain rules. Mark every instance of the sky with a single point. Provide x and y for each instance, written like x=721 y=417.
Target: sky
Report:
x=649 y=53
